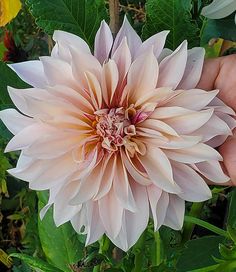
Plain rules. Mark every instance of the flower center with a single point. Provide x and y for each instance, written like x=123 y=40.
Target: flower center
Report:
x=114 y=127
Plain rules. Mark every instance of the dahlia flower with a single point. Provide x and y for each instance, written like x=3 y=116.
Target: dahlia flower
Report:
x=117 y=136
x=219 y=9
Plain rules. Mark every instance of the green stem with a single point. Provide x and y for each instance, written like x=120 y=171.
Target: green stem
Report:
x=104 y=244
x=206 y=225
x=158 y=259
x=189 y=226
x=138 y=250
x=207 y=269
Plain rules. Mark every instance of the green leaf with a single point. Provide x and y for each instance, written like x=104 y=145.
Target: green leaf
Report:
x=222 y=28
x=36 y=263
x=232 y=215
x=199 y=253
x=61 y=245
x=81 y=17
x=174 y=16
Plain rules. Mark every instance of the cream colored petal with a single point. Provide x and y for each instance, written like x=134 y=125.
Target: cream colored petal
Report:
x=142 y=76
x=15 y=121
x=109 y=82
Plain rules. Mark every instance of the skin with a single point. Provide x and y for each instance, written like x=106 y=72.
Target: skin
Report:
x=220 y=73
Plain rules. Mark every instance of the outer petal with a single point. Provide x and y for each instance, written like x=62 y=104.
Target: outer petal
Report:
x=172 y=67
x=103 y=42
x=212 y=171
x=133 y=40
x=134 y=223
x=219 y=9
x=198 y=153
x=193 y=68
x=62 y=211
x=111 y=212
x=155 y=43
x=175 y=213
x=64 y=41
x=194 y=188
x=159 y=170
x=14 y=121
x=31 y=72
x=194 y=99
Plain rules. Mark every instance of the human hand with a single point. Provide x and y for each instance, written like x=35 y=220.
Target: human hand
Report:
x=220 y=73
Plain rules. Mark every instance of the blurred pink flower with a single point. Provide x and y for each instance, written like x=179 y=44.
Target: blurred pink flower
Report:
x=118 y=132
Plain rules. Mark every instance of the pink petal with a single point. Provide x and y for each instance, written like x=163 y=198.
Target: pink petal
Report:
x=194 y=188
x=122 y=188
x=187 y=124
x=58 y=72
x=172 y=67
x=158 y=200
x=133 y=40
x=103 y=42
x=82 y=63
x=62 y=212
x=212 y=171
x=193 y=68
x=64 y=40
x=194 y=99
x=95 y=226
x=111 y=213
x=175 y=213
x=155 y=43
x=31 y=72
x=159 y=169
x=198 y=153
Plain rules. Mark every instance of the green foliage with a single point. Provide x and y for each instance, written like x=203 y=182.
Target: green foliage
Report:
x=36 y=263
x=173 y=15
x=222 y=28
x=199 y=253
x=61 y=245
x=81 y=17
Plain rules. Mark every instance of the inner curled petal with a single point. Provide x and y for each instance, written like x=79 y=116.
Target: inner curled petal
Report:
x=114 y=127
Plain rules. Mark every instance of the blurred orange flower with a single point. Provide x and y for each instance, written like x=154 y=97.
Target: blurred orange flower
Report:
x=8 y=10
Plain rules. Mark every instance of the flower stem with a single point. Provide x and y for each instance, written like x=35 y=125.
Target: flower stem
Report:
x=114 y=16
x=157 y=248
x=138 y=250
x=104 y=244
x=206 y=225
x=189 y=226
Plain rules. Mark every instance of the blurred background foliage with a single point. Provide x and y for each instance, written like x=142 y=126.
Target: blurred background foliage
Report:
x=208 y=239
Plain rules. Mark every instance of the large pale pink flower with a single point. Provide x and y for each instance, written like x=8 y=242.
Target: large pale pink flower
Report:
x=118 y=134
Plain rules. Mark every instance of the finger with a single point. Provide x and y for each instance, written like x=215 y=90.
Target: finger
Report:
x=210 y=72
